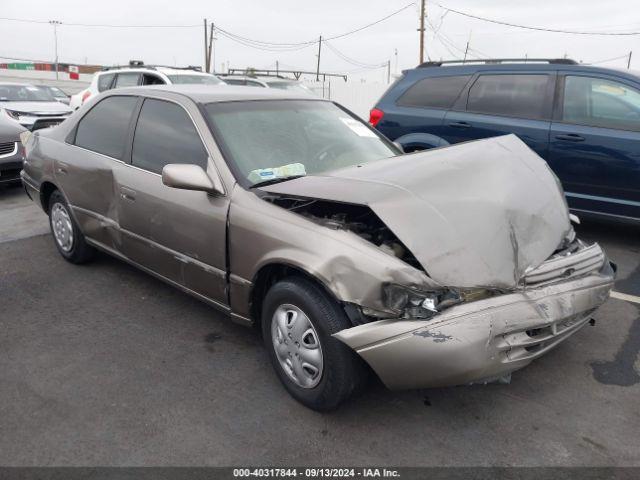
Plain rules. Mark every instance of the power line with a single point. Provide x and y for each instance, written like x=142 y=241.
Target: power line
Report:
x=352 y=61
x=609 y=59
x=98 y=25
x=371 y=24
x=540 y=29
x=291 y=46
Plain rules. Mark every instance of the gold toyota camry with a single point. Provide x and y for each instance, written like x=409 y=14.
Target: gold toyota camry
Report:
x=288 y=213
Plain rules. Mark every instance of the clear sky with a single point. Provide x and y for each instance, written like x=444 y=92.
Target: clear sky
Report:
x=291 y=21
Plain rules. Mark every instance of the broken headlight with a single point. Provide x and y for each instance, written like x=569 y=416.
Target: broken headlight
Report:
x=410 y=302
x=413 y=303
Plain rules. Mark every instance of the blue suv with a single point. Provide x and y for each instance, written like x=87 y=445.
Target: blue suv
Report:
x=584 y=121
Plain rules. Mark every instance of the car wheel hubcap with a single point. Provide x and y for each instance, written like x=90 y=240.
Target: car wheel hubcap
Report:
x=62 y=227
x=297 y=346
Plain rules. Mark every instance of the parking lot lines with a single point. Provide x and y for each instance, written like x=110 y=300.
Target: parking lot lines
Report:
x=626 y=297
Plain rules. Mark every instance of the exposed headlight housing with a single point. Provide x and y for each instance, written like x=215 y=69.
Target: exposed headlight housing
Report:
x=13 y=114
x=409 y=302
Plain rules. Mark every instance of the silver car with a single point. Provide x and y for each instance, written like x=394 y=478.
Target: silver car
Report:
x=290 y=214
x=30 y=106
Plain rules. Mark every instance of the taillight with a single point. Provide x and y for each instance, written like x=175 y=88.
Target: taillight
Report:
x=375 y=116
x=85 y=95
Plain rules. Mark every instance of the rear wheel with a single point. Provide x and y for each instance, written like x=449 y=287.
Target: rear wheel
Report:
x=298 y=319
x=68 y=238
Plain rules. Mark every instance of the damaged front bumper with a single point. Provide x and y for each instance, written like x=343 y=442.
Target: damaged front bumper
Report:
x=483 y=340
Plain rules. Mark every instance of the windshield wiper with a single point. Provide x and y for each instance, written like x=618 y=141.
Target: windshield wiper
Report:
x=271 y=181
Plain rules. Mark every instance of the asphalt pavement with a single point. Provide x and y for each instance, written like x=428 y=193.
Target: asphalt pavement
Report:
x=102 y=364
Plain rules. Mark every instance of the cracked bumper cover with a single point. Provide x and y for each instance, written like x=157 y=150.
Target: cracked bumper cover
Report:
x=479 y=341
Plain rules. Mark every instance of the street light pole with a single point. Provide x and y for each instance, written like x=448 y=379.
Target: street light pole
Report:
x=55 y=24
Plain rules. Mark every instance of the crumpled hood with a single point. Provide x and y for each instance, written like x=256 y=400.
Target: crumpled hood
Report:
x=474 y=214
x=38 y=108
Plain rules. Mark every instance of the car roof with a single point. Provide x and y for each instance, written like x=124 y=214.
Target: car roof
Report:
x=471 y=68
x=219 y=93
x=151 y=69
x=260 y=78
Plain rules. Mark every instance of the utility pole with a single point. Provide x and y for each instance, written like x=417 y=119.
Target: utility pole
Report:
x=206 y=56
x=210 y=64
x=55 y=24
x=629 y=61
x=277 y=68
x=422 y=12
x=395 y=53
x=319 y=50
x=388 y=71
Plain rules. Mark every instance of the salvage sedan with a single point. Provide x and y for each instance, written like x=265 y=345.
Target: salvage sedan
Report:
x=444 y=267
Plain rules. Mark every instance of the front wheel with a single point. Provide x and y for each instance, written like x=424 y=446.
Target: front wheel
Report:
x=298 y=319
x=67 y=236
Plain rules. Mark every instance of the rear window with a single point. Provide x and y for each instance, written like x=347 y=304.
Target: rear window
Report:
x=434 y=92
x=104 y=81
x=105 y=129
x=510 y=95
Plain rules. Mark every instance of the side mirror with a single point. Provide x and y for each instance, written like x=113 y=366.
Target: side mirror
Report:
x=189 y=177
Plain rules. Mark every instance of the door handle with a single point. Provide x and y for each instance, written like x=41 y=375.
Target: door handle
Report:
x=127 y=194
x=460 y=125
x=62 y=168
x=570 y=137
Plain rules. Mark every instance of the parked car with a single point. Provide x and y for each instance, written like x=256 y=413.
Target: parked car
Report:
x=57 y=93
x=583 y=120
x=30 y=106
x=317 y=230
x=137 y=73
x=11 y=151
x=264 y=81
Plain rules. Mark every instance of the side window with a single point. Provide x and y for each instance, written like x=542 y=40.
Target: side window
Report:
x=127 y=80
x=250 y=83
x=150 y=79
x=510 y=95
x=434 y=92
x=600 y=103
x=105 y=129
x=165 y=134
x=104 y=81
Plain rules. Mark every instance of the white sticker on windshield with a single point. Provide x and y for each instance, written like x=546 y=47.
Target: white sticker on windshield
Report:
x=32 y=89
x=357 y=127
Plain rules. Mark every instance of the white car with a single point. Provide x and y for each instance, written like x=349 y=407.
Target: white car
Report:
x=140 y=74
x=31 y=106
x=267 y=82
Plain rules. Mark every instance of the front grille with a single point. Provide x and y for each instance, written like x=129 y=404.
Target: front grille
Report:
x=10 y=175
x=46 y=123
x=8 y=148
x=533 y=342
x=576 y=260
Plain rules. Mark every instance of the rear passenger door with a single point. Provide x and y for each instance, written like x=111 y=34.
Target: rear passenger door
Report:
x=595 y=143
x=178 y=234
x=498 y=103
x=88 y=170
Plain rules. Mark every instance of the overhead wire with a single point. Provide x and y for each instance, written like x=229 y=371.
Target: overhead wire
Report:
x=529 y=27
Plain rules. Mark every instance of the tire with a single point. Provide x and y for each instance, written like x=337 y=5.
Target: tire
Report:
x=67 y=236
x=340 y=372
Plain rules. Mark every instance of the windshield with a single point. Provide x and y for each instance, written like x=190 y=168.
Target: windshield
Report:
x=295 y=86
x=24 y=93
x=264 y=140
x=54 y=91
x=195 y=79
